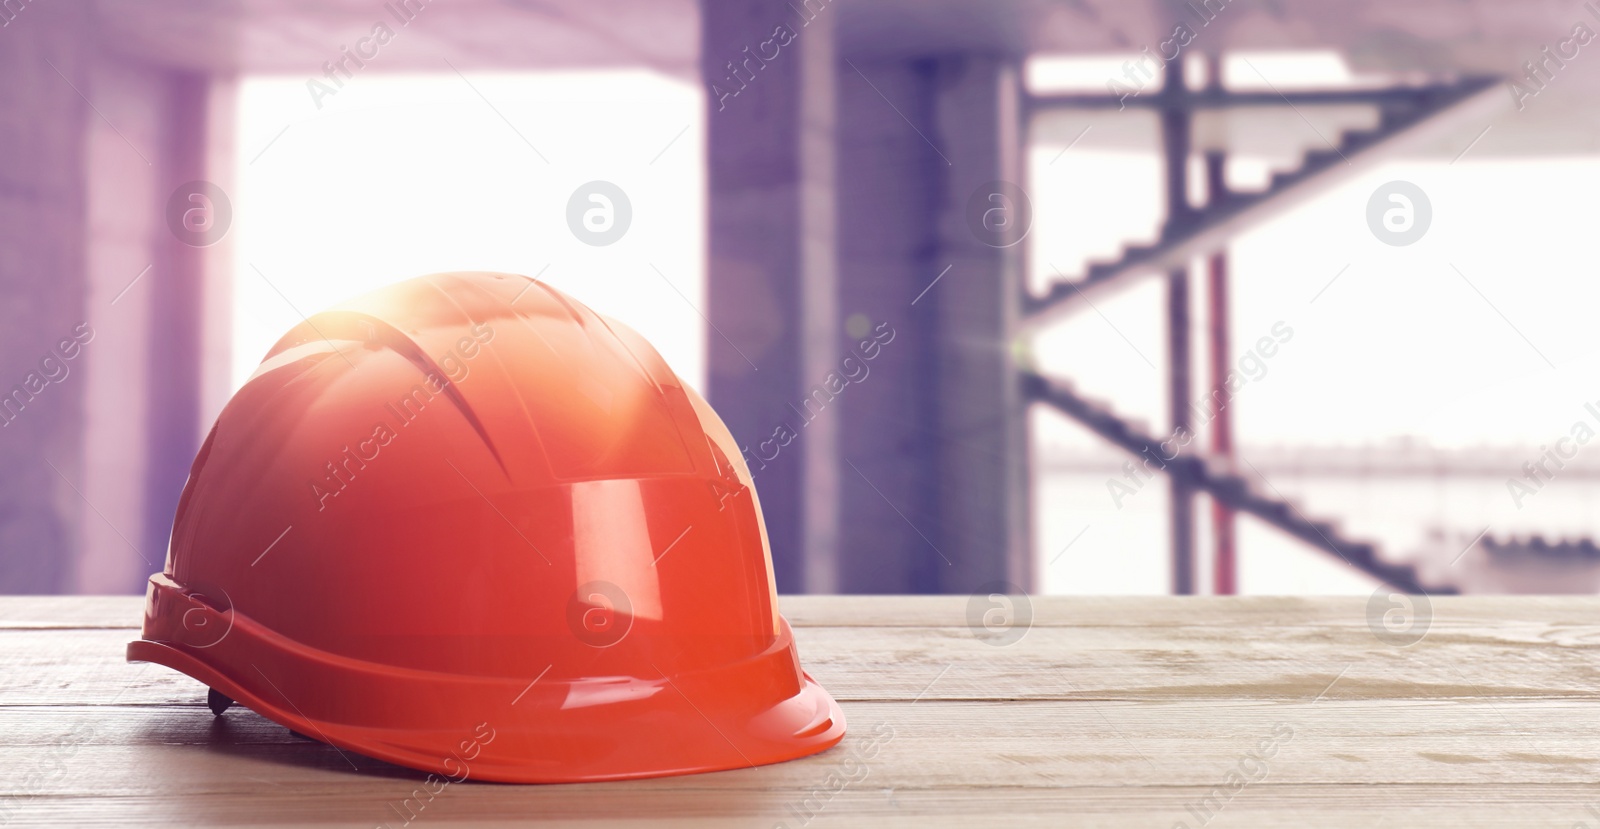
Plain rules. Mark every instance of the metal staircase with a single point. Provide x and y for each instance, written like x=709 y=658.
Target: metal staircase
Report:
x=1407 y=116
x=1403 y=114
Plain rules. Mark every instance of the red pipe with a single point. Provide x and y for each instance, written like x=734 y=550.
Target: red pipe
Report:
x=1225 y=567
x=1225 y=563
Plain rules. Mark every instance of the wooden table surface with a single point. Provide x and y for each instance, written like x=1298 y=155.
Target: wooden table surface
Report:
x=1149 y=712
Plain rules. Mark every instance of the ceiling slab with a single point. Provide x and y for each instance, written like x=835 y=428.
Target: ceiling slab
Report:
x=1405 y=40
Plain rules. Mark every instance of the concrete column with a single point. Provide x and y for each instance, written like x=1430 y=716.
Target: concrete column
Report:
x=43 y=278
x=769 y=74
x=176 y=343
x=106 y=305
x=820 y=320
x=891 y=183
x=861 y=328
x=983 y=500
x=120 y=542
x=935 y=490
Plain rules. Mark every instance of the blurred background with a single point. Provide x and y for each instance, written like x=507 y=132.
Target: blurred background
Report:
x=1220 y=296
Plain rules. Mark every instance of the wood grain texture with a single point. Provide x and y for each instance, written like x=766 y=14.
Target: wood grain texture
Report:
x=1153 y=712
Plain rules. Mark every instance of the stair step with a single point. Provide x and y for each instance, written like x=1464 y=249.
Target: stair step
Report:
x=1367 y=552
x=1392 y=119
x=1319 y=158
x=1131 y=255
x=1286 y=178
x=1359 y=140
x=1325 y=529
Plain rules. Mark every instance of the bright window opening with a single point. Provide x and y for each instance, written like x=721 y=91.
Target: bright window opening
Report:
x=402 y=175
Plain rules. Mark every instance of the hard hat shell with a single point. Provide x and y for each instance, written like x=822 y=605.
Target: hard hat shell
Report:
x=467 y=525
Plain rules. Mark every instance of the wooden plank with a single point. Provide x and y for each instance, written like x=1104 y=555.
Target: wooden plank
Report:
x=1141 y=759
x=1458 y=659
x=927 y=744
x=1107 y=712
x=1263 y=806
x=55 y=612
x=1241 y=614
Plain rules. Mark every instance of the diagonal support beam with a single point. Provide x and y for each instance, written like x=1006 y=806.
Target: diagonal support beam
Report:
x=1226 y=487
x=1439 y=111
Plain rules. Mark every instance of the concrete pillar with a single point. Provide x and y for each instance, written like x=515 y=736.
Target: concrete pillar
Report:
x=174 y=431
x=43 y=278
x=769 y=74
x=126 y=171
x=983 y=503
x=96 y=457
x=891 y=182
x=861 y=327
x=935 y=496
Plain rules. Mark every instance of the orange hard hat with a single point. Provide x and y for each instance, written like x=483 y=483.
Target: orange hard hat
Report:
x=467 y=525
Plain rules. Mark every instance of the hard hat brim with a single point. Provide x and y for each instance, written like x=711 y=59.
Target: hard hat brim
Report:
x=510 y=730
